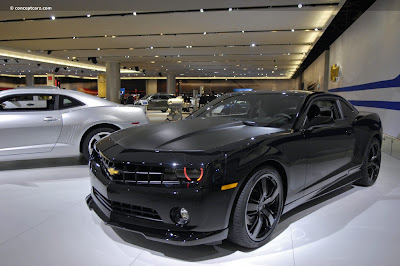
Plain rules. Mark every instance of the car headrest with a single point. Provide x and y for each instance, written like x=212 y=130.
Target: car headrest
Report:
x=313 y=112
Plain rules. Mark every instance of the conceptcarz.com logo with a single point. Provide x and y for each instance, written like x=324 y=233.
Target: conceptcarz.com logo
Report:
x=31 y=8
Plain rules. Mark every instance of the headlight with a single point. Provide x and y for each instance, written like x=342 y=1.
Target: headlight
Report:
x=190 y=173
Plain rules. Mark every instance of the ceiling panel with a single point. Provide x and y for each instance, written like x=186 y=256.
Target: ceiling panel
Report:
x=127 y=39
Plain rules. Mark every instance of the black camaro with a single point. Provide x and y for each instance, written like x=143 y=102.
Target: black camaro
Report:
x=233 y=167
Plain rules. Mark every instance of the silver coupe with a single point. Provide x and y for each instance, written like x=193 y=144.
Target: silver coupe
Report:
x=43 y=122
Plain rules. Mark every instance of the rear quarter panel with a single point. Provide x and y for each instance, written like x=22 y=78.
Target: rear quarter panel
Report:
x=77 y=121
x=366 y=126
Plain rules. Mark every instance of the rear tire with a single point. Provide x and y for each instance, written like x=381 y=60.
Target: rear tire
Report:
x=92 y=138
x=371 y=164
x=258 y=209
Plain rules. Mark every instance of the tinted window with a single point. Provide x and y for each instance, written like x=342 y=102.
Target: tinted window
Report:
x=68 y=102
x=348 y=112
x=323 y=108
x=28 y=102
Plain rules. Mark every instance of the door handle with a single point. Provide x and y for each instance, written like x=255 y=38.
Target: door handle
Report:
x=50 y=119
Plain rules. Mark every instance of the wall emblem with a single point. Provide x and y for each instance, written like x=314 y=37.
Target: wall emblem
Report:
x=335 y=72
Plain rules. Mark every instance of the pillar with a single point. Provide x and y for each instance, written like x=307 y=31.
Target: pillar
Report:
x=113 y=81
x=30 y=80
x=326 y=71
x=171 y=83
x=151 y=86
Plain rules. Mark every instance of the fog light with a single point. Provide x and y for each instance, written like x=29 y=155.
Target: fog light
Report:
x=180 y=215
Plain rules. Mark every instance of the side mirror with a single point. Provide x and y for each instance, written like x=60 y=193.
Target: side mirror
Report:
x=320 y=121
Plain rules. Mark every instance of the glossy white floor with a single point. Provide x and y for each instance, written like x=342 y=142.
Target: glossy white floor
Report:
x=44 y=221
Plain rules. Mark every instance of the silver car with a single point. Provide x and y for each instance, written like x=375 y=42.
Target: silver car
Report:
x=38 y=122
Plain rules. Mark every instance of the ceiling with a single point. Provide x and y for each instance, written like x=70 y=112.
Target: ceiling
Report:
x=268 y=39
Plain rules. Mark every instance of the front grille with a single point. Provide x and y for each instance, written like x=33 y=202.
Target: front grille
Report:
x=142 y=174
x=134 y=173
x=127 y=209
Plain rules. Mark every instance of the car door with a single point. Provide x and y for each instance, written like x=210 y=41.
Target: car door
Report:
x=29 y=123
x=330 y=140
x=163 y=103
x=152 y=101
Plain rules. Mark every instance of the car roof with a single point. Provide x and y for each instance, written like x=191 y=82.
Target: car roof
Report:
x=290 y=92
x=81 y=96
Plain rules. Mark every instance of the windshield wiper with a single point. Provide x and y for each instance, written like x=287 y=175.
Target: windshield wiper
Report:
x=249 y=123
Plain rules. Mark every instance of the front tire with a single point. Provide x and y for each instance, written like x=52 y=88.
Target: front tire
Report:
x=258 y=209
x=371 y=164
x=93 y=137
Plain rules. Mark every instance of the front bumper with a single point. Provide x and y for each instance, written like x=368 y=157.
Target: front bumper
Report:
x=147 y=210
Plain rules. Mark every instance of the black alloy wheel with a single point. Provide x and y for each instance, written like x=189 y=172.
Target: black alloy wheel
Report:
x=371 y=164
x=374 y=162
x=258 y=209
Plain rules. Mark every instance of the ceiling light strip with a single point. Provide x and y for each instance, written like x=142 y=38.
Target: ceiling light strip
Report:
x=55 y=61
x=157 y=35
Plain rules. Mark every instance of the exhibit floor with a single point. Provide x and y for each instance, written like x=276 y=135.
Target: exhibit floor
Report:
x=45 y=221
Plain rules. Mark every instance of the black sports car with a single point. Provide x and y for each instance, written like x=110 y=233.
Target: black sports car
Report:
x=233 y=167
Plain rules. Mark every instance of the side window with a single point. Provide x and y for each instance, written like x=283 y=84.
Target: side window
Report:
x=66 y=102
x=323 y=109
x=348 y=112
x=164 y=97
x=28 y=102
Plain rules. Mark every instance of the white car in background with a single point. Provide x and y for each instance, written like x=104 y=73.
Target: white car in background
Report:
x=46 y=122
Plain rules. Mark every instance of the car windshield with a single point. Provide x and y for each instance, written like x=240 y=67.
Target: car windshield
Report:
x=271 y=110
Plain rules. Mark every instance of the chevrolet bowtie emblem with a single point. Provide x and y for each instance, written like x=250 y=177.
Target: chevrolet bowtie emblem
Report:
x=112 y=171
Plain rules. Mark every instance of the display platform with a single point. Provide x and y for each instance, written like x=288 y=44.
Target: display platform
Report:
x=45 y=221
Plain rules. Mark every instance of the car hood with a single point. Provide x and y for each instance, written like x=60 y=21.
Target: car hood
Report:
x=191 y=135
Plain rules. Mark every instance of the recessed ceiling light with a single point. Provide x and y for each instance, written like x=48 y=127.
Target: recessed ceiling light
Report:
x=273 y=71
x=288 y=53
x=88 y=15
x=152 y=62
x=230 y=9
x=134 y=13
x=299 y=5
x=113 y=36
x=73 y=38
x=151 y=47
x=156 y=56
x=316 y=29
x=242 y=31
x=201 y=10
x=292 y=30
x=205 y=33
x=253 y=45
x=131 y=48
x=53 y=17
x=98 y=49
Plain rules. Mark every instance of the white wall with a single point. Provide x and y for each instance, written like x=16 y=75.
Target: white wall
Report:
x=369 y=52
x=316 y=73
